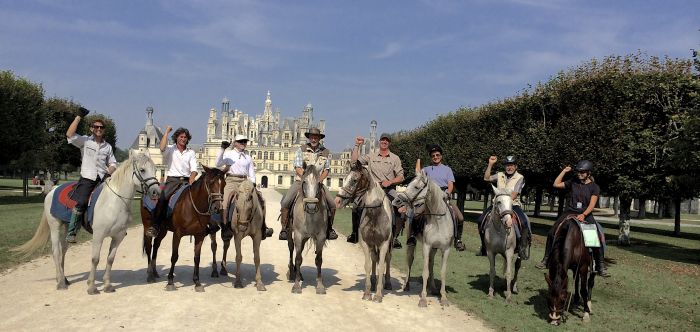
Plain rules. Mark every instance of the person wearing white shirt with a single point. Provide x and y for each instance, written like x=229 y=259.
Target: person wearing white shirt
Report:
x=181 y=163
x=97 y=163
x=242 y=168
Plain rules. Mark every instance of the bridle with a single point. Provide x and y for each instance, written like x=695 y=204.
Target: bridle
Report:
x=358 y=193
x=412 y=200
x=146 y=183
x=212 y=198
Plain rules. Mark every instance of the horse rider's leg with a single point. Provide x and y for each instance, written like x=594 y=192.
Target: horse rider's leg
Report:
x=256 y=259
x=81 y=195
x=443 y=278
x=458 y=220
x=96 y=248
x=381 y=268
x=299 y=245
x=266 y=231
x=214 y=268
x=525 y=233
x=410 y=251
x=173 y=260
x=330 y=201
x=423 y=302
x=237 y=239
x=114 y=244
x=354 y=235
x=161 y=210
x=286 y=205
x=480 y=226
x=600 y=255
x=320 y=289
x=198 y=241
x=396 y=221
x=367 y=295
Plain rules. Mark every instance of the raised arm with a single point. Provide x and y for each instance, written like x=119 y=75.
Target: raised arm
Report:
x=558 y=182
x=487 y=173
x=359 y=140
x=164 y=139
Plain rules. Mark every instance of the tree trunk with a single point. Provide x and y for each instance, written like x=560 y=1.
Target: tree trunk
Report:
x=562 y=201
x=486 y=199
x=616 y=206
x=538 y=201
x=624 y=224
x=642 y=214
x=677 y=217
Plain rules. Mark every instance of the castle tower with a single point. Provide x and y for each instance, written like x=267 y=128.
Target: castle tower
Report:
x=373 y=136
x=211 y=125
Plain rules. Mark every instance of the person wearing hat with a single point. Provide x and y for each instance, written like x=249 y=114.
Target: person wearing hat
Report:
x=242 y=168
x=181 y=168
x=385 y=168
x=582 y=198
x=513 y=181
x=312 y=153
x=444 y=177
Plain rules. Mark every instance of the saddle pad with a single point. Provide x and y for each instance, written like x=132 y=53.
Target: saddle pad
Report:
x=62 y=204
x=91 y=206
x=590 y=235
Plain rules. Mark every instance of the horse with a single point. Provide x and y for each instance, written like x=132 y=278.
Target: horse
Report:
x=375 y=227
x=190 y=216
x=437 y=234
x=499 y=238
x=569 y=253
x=310 y=220
x=111 y=219
x=248 y=219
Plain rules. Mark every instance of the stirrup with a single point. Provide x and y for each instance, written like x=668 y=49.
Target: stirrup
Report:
x=283 y=235
x=332 y=235
x=459 y=245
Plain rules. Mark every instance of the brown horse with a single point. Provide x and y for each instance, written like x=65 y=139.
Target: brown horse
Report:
x=568 y=253
x=190 y=217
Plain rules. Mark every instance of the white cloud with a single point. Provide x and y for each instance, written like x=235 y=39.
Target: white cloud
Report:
x=391 y=49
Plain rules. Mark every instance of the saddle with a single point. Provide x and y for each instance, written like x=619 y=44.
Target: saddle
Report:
x=591 y=237
x=150 y=204
x=63 y=203
x=232 y=207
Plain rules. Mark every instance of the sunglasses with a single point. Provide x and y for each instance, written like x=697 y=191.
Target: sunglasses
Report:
x=98 y=127
x=435 y=155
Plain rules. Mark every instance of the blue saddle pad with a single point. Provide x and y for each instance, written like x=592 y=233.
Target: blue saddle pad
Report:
x=60 y=211
x=150 y=204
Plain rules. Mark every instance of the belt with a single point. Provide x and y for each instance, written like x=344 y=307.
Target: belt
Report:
x=181 y=178
x=443 y=188
x=236 y=176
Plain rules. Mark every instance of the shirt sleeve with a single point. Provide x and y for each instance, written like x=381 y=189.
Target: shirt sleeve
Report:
x=251 y=170
x=168 y=154
x=567 y=184
x=519 y=186
x=595 y=191
x=77 y=140
x=193 y=162
x=494 y=178
x=398 y=170
x=298 y=159
x=220 y=158
x=111 y=160
x=450 y=175
x=364 y=159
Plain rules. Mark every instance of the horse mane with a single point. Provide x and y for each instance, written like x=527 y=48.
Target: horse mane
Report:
x=126 y=167
x=433 y=196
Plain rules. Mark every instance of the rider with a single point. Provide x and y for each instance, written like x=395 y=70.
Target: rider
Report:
x=312 y=153
x=385 y=168
x=443 y=176
x=513 y=181
x=97 y=164
x=242 y=167
x=583 y=196
x=181 y=165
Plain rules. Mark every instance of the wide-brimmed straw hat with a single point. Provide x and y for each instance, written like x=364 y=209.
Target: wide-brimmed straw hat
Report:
x=314 y=131
x=240 y=138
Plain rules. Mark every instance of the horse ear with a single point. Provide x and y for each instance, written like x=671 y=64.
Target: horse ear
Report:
x=205 y=168
x=549 y=281
x=422 y=173
x=148 y=153
x=358 y=164
x=495 y=190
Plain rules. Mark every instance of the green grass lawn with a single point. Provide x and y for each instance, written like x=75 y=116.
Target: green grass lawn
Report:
x=655 y=282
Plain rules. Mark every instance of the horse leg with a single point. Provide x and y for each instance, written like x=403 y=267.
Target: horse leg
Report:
x=299 y=246
x=492 y=270
x=96 y=248
x=518 y=263
x=147 y=249
x=368 y=271
x=114 y=244
x=584 y=292
x=443 y=278
x=256 y=258
x=173 y=260
x=373 y=278
x=410 y=251
x=381 y=267
x=58 y=248
x=238 y=283
x=431 y=274
x=320 y=289
x=576 y=300
x=198 y=241
x=509 y=272
x=423 y=302
x=214 y=268
x=64 y=250
x=154 y=255
x=227 y=244
x=589 y=291
x=387 y=278
x=291 y=273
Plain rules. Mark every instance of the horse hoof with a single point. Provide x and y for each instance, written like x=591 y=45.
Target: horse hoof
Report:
x=444 y=303
x=261 y=287
x=586 y=318
x=214 y=274
x=554 y=322
x=66 y=281
x=423 y=303
x=237 y=284
x=61 y=286
x=490 y=293
x=170 y=287
x=320 y=290
x=515 y=290
x=509 y=299
x=296 y=289
x=109 y=289
x=406 y=288
x=387 y=286
x=223 y=272
x=590 y=307
x=199 y=289
x=93 y=291
x=367 y=297
x=378 y=299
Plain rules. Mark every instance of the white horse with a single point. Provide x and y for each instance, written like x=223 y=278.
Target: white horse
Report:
x=499 y=238
x=437 y=234
x=111 y=218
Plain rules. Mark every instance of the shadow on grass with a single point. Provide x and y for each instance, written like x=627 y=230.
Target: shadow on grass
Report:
x=539 y=303
x=660 y=250
x=32 y=199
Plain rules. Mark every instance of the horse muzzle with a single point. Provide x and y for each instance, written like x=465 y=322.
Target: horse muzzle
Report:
x=554 y=318
x=154 y=192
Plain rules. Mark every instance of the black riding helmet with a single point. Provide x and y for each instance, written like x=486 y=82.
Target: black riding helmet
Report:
x=509 y=160
x=434 y=147
x=584 y=166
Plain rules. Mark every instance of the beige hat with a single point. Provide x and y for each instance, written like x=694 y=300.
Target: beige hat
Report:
x=239 y=138
x=314 y=131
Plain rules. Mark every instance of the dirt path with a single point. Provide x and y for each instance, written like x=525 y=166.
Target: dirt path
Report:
x=30 y=301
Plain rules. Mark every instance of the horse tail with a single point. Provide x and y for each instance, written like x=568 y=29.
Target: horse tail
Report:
x=41 y=236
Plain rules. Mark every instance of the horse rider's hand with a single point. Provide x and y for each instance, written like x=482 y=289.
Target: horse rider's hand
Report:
x=580 y=217
x=492 y=160
x=225 y=144
x=337 y=202
x=402 y=209
x=168 y=129
x=82 y=112
x=386 y=183
x=359 y=140
x=566 y=169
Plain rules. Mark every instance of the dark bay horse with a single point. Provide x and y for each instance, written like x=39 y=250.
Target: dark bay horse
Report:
x=375 y=227
x=569 y=253
x=190 y=217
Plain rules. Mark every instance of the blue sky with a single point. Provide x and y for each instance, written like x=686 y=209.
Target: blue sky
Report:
x=398 y=62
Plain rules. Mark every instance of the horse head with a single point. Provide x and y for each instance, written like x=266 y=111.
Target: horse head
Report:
x=416 y=191
x=311 y=188
x=556 y=299
x=356 y=183
x=213 y=181
x=503 y=206
x=245 y=207
x=144 y=174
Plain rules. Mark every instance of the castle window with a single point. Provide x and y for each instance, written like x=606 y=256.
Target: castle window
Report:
x=279 y=180
x=328 y=182
x=340 y=182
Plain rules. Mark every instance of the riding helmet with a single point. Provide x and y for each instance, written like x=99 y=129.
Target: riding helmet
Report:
x=509 y=160
x=584 y=166
x=434 y=147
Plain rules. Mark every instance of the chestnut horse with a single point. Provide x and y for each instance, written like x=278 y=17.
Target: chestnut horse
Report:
x=568 y=253
x=190 y=216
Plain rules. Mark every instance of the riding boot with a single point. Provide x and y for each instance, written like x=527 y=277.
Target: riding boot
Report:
x=459 y=245
x=330 y=232
x=482 y=249
x=547 y=249
x=156 y=221
x=524 y=245
x=76 y=220
x=284 y=220
x=600 y=263
x=398 y=227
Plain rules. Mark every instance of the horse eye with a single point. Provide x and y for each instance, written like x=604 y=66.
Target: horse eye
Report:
x=143 y=170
